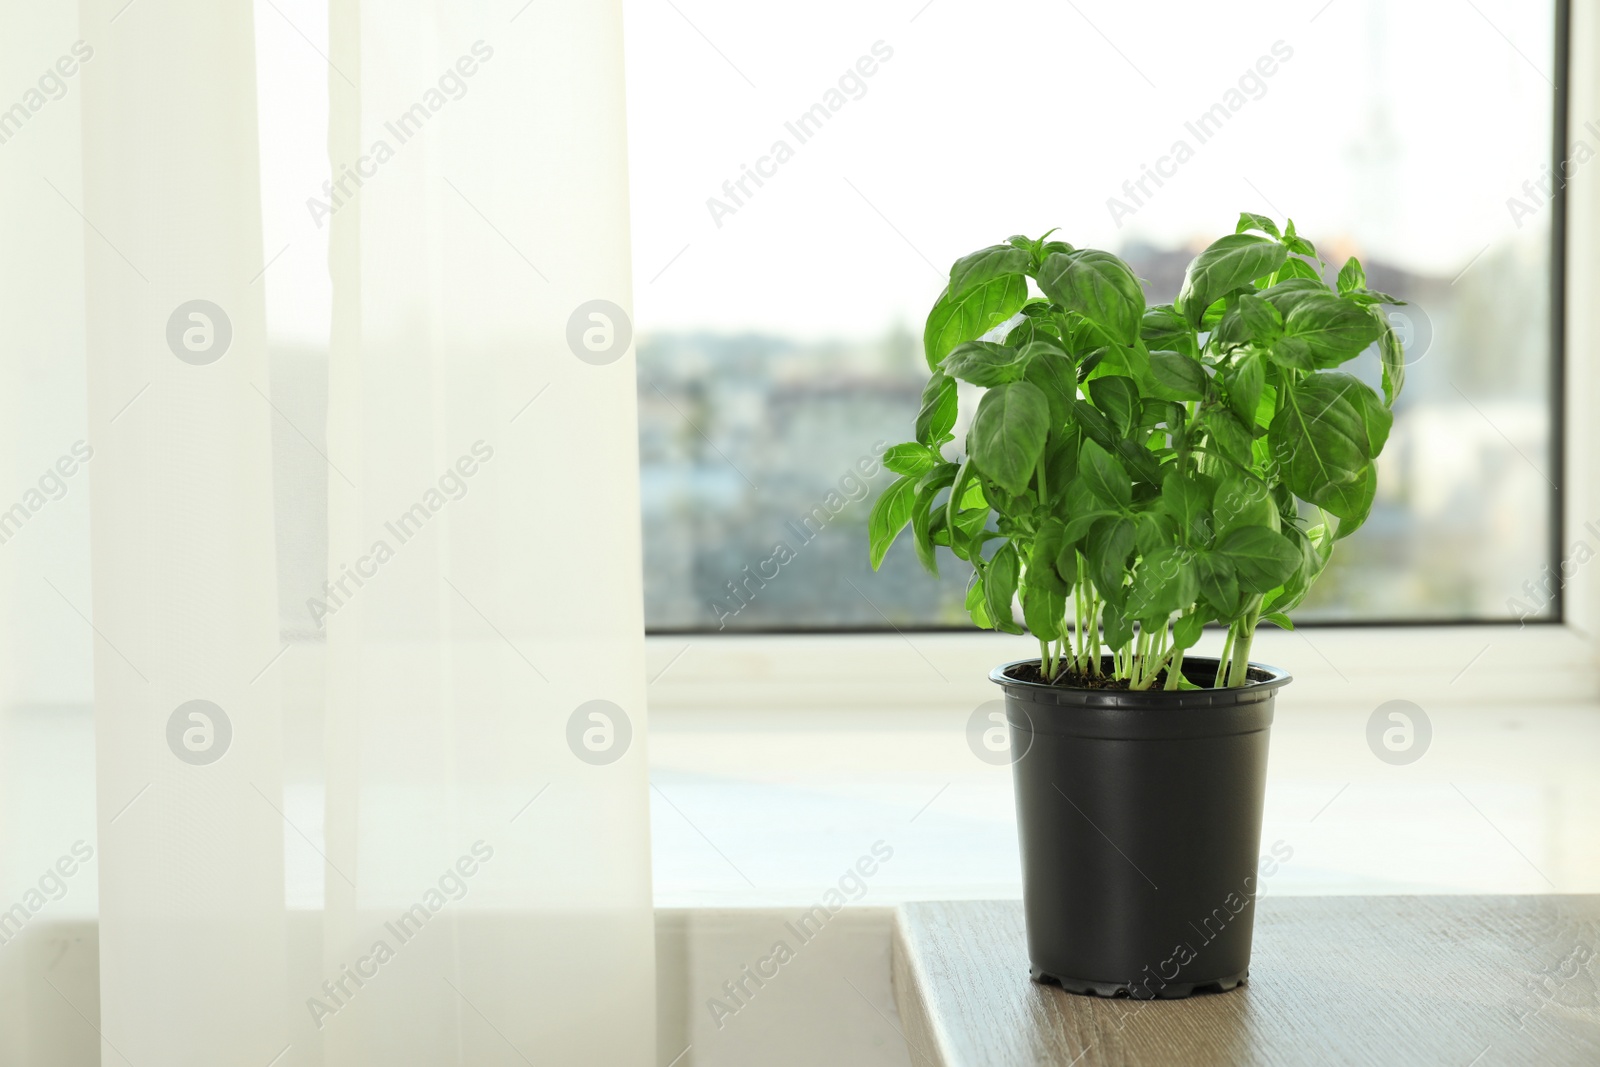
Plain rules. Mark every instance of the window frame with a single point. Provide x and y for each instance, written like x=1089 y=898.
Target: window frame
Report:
x=1448 y=662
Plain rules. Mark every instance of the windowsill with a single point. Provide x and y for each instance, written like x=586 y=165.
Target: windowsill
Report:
x=771 y=809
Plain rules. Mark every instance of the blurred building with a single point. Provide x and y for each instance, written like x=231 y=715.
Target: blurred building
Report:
x=743 y=437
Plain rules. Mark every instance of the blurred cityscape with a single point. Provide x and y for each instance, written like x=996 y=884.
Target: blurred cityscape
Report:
x=753 y=448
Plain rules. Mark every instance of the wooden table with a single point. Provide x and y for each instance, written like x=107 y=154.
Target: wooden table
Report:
x=1458 y=981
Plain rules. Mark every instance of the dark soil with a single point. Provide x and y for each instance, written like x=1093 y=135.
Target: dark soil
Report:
x=1070 y=679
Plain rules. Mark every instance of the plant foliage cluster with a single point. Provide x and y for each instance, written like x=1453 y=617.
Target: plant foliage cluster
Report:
x=1132 y=473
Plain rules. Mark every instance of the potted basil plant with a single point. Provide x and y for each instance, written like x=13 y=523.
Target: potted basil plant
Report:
x=1131 y=474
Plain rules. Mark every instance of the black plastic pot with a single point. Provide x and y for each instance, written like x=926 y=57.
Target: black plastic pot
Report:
x=1140 y=822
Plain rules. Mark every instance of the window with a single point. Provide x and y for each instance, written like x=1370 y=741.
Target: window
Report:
x=803 y=175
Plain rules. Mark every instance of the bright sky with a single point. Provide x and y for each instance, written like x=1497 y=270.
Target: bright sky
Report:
x=1398 y=129
x=1393 y=130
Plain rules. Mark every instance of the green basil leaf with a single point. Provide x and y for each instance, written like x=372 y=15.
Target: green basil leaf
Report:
x=922 y=535
x=1130 y=361
x=1044 y=611
x=889 y=516
x=1278 y=618
x=1082 y=522
x=1110 y=543
x=1047 y=345
x=984 y=363
x=1393 y=358
x=923 y=508
x=1187 y=630
x=1153 y=531
x=1164 y=582
x=1297 y=268
x=1141 y=463
x=1083 y=509
x=1219 y=584
x=1028 y=331
x=1098 y=286
x=969 y=315
x=985 y=265
x=1186 y=501
x=1090 y=362
x=1068 y=559
x=938 y=415
x=1008 y=433
x=1162 y=327
x=1248 y=320
x=910 y=458
x=1000 y=586
x=972 y=516
x=1117 y=625
x=1331 y=329
x=1261 y=320
x=1372 y=296
x=1243 y=383
x=1249 y=220
x=1319 y=440
x=1316 y=547
x=1094 y=424
x=1299 y=244
x=1155 y=413
x=1375 y=415
x=1104 y=475
x=1261 y=558
x=1351 y=276
x=1351 y=503
x=1118 y=397
x=1229 y=436
x=966 y=512
x=977 y=603
x=1033 y=328
x=941 y=476
x=1286 y=294
x=1229 y=263
x=1049 y=368
x=1242 y=501
x=1061 y=463
x=965 y=476
x=1295 y=353
x=1048 y=544
x=1179 y=375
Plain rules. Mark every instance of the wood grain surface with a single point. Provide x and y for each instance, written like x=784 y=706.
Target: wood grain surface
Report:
x=1451 y=980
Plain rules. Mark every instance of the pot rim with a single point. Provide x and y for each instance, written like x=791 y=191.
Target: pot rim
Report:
x=1263 y=684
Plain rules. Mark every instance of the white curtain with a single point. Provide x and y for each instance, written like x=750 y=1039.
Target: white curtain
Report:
x=47 y=765
x=394 y=812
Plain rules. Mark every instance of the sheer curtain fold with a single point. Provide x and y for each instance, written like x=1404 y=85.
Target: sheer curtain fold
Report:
x=495 y=473
x=474 y=803
x=46 y=651
x=184 y=607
